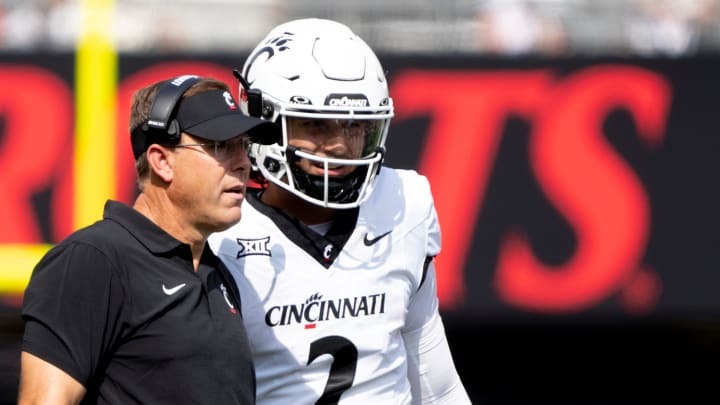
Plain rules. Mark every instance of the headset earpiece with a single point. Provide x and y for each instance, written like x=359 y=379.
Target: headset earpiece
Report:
x=173 y=132
x=159 y=127
x=166 y=100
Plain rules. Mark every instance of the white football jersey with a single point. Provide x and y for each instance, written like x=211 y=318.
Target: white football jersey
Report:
x=325 y=313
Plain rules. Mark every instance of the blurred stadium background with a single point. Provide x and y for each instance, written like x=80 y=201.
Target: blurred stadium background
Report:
x=634 y=341
x=480 y=27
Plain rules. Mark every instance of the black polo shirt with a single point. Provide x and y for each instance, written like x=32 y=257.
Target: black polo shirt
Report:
x=118 y=306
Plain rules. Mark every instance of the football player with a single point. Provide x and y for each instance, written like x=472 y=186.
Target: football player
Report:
x=334 y=256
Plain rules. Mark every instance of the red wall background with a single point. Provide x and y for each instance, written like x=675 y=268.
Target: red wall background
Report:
x=578 y=200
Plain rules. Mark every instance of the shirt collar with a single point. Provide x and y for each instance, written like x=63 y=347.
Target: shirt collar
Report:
x=140 y=227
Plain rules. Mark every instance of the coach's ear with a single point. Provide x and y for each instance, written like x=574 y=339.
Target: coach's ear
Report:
x=161 y=161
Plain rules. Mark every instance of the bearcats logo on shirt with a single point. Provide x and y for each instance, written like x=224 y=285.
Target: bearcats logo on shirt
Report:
x=227 y=298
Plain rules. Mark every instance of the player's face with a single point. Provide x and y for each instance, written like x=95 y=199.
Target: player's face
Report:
x=340 y=139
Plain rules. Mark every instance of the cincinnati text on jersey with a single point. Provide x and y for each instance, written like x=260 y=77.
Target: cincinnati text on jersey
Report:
x=315 y=309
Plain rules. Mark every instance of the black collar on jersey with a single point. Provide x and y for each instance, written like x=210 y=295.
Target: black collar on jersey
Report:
x=303 y=236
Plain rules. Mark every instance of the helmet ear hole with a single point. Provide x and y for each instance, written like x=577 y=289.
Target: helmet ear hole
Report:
x=272 y=165
x=267 y=111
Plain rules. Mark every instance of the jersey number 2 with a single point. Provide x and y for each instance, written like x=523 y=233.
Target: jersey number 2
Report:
x=342 y=371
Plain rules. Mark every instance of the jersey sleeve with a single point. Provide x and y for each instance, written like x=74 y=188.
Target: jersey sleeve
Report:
x=424 y=303
x=431 y=369
x=433 y=233
x=71 y=309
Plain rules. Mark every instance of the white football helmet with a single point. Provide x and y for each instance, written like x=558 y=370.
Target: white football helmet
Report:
x=317 y=69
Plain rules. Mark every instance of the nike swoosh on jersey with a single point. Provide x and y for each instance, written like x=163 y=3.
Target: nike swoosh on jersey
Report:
x=171 y=291
x=372 y=241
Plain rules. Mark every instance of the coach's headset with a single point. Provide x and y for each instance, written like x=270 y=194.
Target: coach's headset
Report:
x=158 y=128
